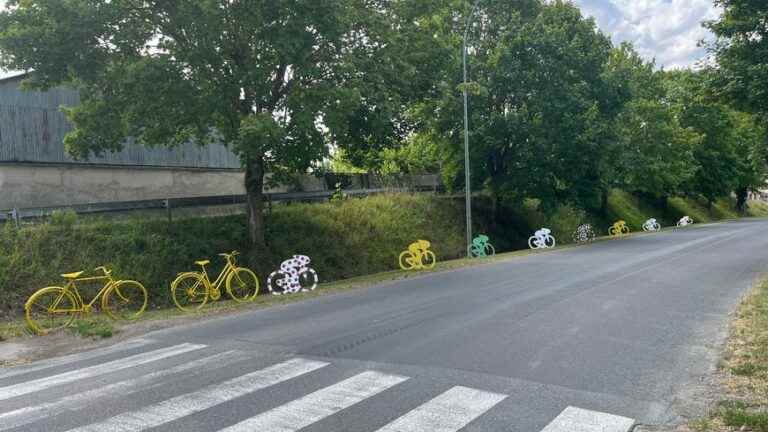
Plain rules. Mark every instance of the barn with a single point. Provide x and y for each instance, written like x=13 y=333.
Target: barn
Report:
x=35 y=170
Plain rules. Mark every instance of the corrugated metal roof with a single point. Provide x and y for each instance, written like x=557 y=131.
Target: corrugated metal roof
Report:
x=32 y=129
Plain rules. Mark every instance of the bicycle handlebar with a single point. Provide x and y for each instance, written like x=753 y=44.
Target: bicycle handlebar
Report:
x=104 y=269
x=234 y=253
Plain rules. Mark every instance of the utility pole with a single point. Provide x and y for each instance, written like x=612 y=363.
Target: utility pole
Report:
x=467 y=188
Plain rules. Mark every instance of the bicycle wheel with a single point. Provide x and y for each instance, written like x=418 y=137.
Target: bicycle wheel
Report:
x=190 y=292
x=549 y=241
x=126 y=300
x=612 y=231
x=308 y=279
x=51 y=309
x=276 y=282
x=489 y=250
x=406 y=260
x=242 y=285
x=428 y=260
x=532 y=243
x=657 y=227
x=625 y=230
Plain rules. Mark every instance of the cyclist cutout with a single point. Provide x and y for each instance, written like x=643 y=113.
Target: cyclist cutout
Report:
x=480 y=241
x=292 y=267
x=418 y=249
x=541 y=235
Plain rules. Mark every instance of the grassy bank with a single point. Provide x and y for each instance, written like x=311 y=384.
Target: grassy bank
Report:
x=346 y=239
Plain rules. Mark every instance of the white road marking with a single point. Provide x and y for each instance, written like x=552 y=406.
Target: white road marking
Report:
x=318 y=405
x=580 y=420
x=207 y=397
x=100 y=369
x=72 y=358
x=27 y=415
x=448 y=412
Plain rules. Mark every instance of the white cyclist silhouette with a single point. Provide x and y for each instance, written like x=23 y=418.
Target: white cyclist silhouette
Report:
x=651 y=225
x=685 y=221
x=542 y=239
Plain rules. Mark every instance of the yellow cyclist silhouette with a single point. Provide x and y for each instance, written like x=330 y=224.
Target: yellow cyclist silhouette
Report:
x=618 y=228
x=418 y=256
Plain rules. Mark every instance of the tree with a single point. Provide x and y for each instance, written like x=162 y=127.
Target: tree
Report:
x=751 y=144
x=630 y=78
x=275 y=80
x=538 y=102
x=715 y=154
x=658 y=151
x=741 y=50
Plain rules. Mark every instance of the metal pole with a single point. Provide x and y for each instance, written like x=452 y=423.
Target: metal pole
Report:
x=468 y=192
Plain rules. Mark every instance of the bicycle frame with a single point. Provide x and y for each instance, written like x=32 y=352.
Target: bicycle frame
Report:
x=71 y=288
x=229 y=267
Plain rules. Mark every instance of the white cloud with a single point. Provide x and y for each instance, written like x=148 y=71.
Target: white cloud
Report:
x=667 y=30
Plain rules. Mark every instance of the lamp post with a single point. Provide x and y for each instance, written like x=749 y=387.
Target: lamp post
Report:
x=468 y=192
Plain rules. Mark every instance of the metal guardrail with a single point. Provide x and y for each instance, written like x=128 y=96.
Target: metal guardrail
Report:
x=17 y=215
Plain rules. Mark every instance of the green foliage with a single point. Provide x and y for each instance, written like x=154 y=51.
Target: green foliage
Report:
x=689 y=207
x=741 y=48
x=539 y=113
x=657 y=151
x=629 y=208
x=740 y=415
x=93 y=327
x=757 y=209
x=338 y=194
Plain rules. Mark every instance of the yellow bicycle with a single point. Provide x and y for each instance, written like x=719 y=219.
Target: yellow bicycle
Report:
x=54 y=307
x=618 y=228
x=417 y=257
x=191 y=290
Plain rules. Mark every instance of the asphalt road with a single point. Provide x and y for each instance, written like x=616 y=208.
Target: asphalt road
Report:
x=626 y=328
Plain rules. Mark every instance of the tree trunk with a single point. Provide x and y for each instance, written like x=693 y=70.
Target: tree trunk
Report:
x=254 y=189
x=663 y=203
x=604 y=202
x=741 y=199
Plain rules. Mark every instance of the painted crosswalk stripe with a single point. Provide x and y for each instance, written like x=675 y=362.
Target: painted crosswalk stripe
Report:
x=72 y=358
x=580 y=420
x=207 y=397
x=448 y=412
x=31 y=414
x=92 y=371
x=320 y=404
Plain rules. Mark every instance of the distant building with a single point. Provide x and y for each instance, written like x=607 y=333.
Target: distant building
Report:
x=35 y=171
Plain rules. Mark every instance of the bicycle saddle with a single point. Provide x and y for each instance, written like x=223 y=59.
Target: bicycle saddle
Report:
x=74 y=275
x=203 y=262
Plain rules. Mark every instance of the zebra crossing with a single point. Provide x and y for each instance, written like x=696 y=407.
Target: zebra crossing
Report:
x=41 y=402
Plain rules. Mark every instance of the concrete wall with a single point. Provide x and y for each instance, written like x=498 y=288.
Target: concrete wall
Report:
x=26 y=185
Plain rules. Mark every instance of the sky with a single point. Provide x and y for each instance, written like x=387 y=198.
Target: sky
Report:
x=665 y=30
